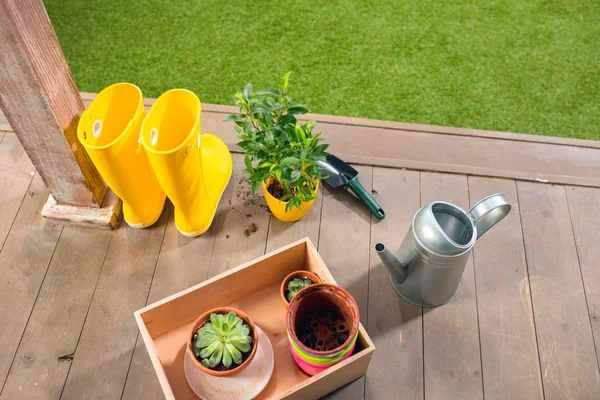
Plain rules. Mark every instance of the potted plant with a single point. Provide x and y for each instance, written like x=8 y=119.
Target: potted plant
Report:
x=295 y=282
x=222 y=341
x=322 y=324
x=281 y=153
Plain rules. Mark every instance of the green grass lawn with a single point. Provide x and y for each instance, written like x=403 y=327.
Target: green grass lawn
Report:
x=527 y=66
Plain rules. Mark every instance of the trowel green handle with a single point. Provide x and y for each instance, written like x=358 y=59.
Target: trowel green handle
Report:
x=366 y=198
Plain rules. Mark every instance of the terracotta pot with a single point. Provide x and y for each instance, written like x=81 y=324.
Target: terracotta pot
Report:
x=277 y=206
x=206 y=317
x=322 y=296
x=296 y=274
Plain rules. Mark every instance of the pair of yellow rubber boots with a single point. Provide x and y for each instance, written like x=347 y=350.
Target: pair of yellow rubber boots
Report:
x=142 y=158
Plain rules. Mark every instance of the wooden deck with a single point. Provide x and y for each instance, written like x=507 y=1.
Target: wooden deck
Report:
x=525 y=324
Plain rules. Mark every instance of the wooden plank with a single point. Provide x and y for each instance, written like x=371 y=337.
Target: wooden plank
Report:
x=183 y=262
x=59 y=313
x=395 y=326
x=42 y=104
x=108 y=338
x=235 y=245
x=509 y=353
x=443 y=149
x=105 y=217
x=584 y=207
x=24 y=261
x=16 y=173
x=452 y=359
x=344 y=245
x=567 y=355
x=405 y=126
x=283 y=233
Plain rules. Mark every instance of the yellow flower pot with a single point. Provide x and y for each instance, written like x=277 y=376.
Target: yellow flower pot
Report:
x=277 y=206
x=192 y=168
x=109 y=131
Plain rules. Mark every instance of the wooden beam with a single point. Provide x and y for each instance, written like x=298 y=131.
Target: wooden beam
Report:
x=41 y=102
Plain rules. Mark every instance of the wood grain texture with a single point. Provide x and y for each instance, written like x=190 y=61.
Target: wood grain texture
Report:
x=344 y=245
x=24 y=261
x=442 y=149
x=509 y=353
x=16 y=173
x=447 y=130
x=395 y=326
x=433 y=151
x=108 y=338
x=233 y=245
x=59 y=313
x=284 y=233
x=450 y=332
x=183 y=262
x=105 y=217
x=584 y=207
x=41 y=102
x=567 y=355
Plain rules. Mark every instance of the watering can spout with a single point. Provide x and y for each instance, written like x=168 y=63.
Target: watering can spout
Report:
x=394 y=266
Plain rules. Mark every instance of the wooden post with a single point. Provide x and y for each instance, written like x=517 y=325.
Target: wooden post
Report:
x=39 y=97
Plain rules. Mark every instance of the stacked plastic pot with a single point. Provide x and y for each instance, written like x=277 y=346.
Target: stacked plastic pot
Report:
x=144 y=158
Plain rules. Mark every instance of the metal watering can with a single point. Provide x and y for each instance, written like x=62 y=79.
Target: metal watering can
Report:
x=427 y=268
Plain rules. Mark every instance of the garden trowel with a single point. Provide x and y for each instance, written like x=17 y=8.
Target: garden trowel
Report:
x=341 y=174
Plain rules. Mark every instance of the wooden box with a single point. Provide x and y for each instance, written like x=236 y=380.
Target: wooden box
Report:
x=254 y=288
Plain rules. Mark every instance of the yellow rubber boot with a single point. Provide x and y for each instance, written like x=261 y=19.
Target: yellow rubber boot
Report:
x=110 y=130
x=193 y=168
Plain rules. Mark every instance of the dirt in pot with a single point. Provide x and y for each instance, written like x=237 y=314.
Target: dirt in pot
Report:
x=276 y=189
x=323 y=329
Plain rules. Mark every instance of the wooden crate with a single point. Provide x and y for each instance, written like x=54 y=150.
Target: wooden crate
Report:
x=254 y=288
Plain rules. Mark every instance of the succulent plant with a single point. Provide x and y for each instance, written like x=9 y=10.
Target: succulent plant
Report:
x=222 y=340
x=296 y=285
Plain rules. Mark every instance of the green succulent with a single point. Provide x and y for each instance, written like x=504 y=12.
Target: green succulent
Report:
x=296 y=285
x=223 y=339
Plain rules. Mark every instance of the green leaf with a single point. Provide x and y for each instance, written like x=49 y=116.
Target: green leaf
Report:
x=297 y=110
x=303 y=154
x=208 y=351
x=278 y=174
x=241 y=346
x=255 y=186
x=226 y=357
x=297 y=173
x=265 y=164
x=248 y=163
x=321 y=148
x=230 y=320
x=289 y=161
x=231 y=118
x=268 y=92
x=248 y=91
x=235 y=353
x=215 y=320
x=216 y=356
x=285 y=80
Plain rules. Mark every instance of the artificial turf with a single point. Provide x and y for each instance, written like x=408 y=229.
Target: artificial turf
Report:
x=529 y=66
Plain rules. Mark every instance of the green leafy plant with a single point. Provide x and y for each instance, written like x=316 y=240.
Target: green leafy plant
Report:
x=296 y=285
x=222 y=340
x=277 y=146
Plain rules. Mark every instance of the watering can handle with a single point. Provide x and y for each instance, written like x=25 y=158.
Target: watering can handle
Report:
x=488 y=212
